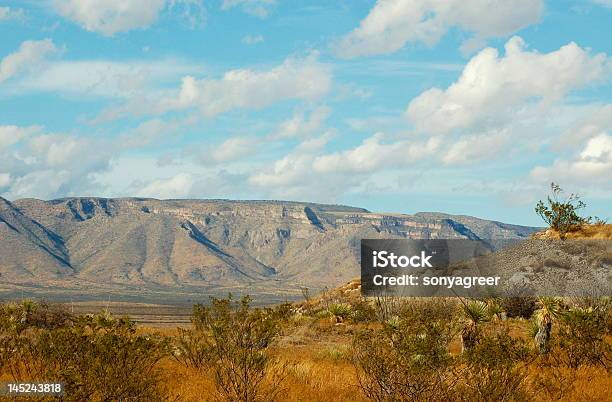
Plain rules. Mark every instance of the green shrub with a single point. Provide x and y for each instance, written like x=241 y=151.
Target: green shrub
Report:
x=408 y=360
x=231 y=340
x=495 y=369
x=581 y=338
x=561 y=214
x=97 y=357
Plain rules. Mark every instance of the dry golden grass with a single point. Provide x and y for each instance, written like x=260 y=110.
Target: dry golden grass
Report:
x=318 y=368
x=584 y=232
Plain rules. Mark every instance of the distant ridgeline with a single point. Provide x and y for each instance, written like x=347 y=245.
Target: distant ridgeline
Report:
x=86 y=246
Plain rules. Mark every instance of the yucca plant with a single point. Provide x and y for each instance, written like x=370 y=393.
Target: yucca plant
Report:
x=476 y=312
x=27 y=308
x=550 y=308
x=495 y=310
x=340 y=311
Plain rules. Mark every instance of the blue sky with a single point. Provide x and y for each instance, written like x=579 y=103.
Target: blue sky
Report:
x=467 y=107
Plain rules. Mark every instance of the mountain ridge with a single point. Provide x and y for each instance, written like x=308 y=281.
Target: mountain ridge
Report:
x=203 y=245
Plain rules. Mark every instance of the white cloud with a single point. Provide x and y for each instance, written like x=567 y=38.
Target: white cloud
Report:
x=258 y=8
x=491 y=86
x=594 y=124
x=476 y=147
x=178 y=186
x=10 y=135
x=5 y=180
x=41 y=184
x=374 y=154
x=293 y=172
x=391 y=24
x=301 y=125
x=234 y=149
x=109 y=17
x=591 y=167
x=26 y=58
x=103 y=78
x=303 y=78
x=252 y=39
x=47 y=165
x=8 y=13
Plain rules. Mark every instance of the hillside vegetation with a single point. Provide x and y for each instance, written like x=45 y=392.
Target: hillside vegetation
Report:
x=337 y=346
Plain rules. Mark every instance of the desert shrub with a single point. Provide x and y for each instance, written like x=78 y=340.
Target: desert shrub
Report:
x=98 y=358
x=363 y=311
x=50 y=316
x=340 y=312
x=495 y=369
x=283 y=311
x=519 y=306
x=231 y=340
x=561 y=214
x=387 y=307
x=581 y=338
x=407 y=359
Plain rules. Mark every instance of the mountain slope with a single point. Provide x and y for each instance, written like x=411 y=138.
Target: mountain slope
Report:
x=192 y=244
x=28 y=250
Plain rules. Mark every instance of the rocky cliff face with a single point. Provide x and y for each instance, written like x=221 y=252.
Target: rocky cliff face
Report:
x=148 y=243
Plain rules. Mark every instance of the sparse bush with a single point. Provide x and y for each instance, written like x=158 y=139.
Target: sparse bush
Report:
x=231 y=340
x=363 y=311
x=581 y=338
x=98 y=358
x=496 y=369
x=408 y=360
x=562 y=214
x=519 y=306
x=387 y=307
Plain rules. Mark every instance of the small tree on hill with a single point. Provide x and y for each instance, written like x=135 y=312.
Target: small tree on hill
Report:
x=561 y=214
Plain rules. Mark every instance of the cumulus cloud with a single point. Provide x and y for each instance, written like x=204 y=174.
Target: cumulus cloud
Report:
x=477 y=147
x=230 y=150
x=391 y=24
x=292 y=175
x=374 y=153
x=307 y=166
x=109 y=17
x=47 y=165
x=10 y=135
x=29 y=55
x=233 y=149
x=592 y=125
x=491 y=85
x=295 y=78
x=301 y=124
x=591 y=167
x=258 y=8
x=178 y=186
